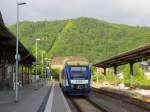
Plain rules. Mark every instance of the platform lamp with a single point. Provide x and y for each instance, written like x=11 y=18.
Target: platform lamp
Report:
x=17 y=54
x=36 y=57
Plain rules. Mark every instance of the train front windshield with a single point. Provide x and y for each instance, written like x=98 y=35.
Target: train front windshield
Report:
x=78 y=73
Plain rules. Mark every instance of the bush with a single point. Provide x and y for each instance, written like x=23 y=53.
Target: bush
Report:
x=55 y=74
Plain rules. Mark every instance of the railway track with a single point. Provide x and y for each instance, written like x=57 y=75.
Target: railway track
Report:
x=83 y=104
x=123 y=98
x=106 y=101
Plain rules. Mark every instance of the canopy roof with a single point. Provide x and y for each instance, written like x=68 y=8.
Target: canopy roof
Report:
x=8 y=46
x=1 y=19
x=139 y=54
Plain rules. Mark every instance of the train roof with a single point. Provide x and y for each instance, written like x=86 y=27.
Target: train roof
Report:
x=77 y=63
x=70 y=60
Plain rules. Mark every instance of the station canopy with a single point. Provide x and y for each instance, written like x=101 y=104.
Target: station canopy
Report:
x=139 y=54
x=8 y=46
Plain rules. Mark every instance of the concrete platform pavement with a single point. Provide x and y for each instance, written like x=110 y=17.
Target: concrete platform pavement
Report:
x=141 y=94
x=30 y=100
x=57 y=101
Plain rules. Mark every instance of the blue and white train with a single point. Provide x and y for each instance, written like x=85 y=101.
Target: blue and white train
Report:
x=75 y=77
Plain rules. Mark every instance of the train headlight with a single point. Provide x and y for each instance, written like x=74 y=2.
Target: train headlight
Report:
x=73 y=81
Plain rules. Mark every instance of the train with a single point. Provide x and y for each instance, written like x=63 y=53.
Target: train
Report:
x=75 y=77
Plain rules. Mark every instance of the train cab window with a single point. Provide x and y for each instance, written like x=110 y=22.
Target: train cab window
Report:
x=78 y=72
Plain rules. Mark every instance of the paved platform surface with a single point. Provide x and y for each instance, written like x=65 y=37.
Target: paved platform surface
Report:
x=141 y=94
x=114 y=105
x=57 y=101
x=30 y=99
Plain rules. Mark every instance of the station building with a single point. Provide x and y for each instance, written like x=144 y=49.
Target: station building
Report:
x=7 y=59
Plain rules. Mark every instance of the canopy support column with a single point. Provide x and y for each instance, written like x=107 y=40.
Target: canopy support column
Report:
x=104 y=71
x=28 y=75
x=115 y=75
x=22 y=75
x=131 y=73
x=26 y=69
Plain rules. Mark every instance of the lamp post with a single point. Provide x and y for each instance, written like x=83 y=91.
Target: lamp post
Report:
x=17 y=56
x=36 y=59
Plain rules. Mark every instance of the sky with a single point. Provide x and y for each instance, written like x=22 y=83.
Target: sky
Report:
x=130 y=12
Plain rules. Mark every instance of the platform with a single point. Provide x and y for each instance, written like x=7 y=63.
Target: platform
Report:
x=30 y=100
x=141 y=94
x=57 y=101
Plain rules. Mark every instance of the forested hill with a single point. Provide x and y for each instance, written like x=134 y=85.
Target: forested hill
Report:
x=92 y=38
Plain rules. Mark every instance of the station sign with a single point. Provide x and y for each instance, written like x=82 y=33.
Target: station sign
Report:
x=35 y=63
x=19 y=57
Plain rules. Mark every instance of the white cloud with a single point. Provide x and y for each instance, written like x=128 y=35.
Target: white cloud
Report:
x=134 y=12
